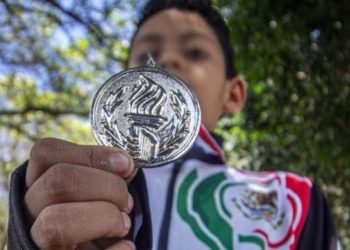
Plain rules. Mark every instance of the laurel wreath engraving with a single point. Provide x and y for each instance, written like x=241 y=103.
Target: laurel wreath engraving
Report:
x=170 y=135
x=109 y=121
x=177 y=129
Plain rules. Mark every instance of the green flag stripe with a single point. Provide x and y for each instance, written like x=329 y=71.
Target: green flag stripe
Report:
x=222 y=192
x=252 y=239
x=204 y=204
x=185 y=215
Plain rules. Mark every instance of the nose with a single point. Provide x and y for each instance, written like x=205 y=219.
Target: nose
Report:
x=170 y=61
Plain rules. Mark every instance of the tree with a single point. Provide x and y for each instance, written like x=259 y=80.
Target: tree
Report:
x=293 y=54
x=53 y=56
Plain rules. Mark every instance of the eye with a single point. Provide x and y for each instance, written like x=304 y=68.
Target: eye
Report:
x=195 y=54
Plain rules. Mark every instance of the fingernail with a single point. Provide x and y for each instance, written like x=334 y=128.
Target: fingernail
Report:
x=119 y=162
x=127 y=222
x=131 y=244
x=130 y=203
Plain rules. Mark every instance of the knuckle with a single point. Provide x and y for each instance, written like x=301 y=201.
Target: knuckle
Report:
x=41 y=149
x=58 y=181
x=90 y=154
x=29 y=205
x=48 y=229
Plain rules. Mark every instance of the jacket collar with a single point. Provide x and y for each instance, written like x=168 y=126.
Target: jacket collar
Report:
x=207 y=147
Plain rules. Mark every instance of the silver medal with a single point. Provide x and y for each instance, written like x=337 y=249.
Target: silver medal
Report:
x=148 y=112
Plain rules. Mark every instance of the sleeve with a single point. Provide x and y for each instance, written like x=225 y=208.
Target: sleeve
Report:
x=319 y=232
x=18 y=230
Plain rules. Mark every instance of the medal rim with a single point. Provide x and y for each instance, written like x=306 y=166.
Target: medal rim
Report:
x=187 y=146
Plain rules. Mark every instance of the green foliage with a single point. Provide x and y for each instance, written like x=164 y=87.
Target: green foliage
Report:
x=53 y=56
x=294 y=56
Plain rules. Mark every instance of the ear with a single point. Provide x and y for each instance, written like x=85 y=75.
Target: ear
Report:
x=235 y=95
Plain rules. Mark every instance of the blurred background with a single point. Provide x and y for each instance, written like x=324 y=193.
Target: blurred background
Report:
x=294 y=55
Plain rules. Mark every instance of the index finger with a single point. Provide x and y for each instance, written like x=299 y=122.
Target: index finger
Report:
x=50 y=151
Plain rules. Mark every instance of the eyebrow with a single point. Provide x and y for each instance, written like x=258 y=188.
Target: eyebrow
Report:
x=194 y=35
x=156 y=38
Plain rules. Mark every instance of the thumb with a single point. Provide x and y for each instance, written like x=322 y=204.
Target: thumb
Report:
x=50 y=151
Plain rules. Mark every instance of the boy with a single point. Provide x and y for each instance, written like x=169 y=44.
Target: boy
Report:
x=77 y=197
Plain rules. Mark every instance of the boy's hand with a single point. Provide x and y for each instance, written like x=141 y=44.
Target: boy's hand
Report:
x=77 y=195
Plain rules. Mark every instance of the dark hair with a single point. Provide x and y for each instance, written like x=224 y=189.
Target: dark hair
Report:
x=206 y=11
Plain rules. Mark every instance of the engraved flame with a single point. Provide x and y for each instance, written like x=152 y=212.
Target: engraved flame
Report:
x=146 y=103
x=148 y=98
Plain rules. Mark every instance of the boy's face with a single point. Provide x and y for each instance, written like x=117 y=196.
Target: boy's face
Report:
x=186 y=46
